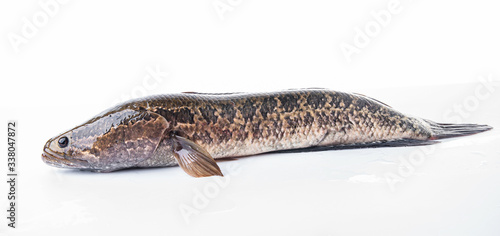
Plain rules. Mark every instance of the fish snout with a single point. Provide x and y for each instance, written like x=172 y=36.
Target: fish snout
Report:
x=61 y=160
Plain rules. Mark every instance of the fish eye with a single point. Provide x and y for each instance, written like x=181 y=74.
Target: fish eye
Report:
x=63 y=142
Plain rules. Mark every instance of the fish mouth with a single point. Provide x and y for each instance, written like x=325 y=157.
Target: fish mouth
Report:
x=51 y=158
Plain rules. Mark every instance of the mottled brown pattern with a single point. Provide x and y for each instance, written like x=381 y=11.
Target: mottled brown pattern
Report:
x=130 y=142
x=118 y=140
x=245 y=124
x=142 y=132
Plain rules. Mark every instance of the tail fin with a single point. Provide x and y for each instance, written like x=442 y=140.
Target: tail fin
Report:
x=441 y=130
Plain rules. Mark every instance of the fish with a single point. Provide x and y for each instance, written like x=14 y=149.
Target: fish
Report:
x=192 y=130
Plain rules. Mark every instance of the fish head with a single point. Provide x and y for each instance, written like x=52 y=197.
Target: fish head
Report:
x=116 y=139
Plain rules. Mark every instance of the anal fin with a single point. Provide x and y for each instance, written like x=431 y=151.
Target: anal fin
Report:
x=382 y=143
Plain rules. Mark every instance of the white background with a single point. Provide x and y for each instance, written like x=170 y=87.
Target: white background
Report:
x=436 y=60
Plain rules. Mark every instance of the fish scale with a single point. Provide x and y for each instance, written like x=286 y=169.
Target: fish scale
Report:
x=192 y=129
x=296 y=119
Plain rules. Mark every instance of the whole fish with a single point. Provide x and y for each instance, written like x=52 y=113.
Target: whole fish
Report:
x=193 y=129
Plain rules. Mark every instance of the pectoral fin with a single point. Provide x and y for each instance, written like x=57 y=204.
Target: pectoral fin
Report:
x=193 y=159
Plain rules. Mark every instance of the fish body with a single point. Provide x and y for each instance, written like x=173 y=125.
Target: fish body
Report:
x=193 y=129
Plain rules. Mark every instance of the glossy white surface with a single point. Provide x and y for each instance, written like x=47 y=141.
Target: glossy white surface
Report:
x=427 y=62
x=450 y=188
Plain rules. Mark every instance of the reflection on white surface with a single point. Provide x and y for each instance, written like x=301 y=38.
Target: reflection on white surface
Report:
x=449 y=188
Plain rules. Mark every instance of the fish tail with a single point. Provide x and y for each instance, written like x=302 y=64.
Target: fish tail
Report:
x=444 y=130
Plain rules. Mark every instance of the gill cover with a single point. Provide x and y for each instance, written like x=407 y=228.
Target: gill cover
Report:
x=131 y=140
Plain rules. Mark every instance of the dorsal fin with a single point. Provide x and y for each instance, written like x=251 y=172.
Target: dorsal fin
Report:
x=362 y=95
x=212 y=93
